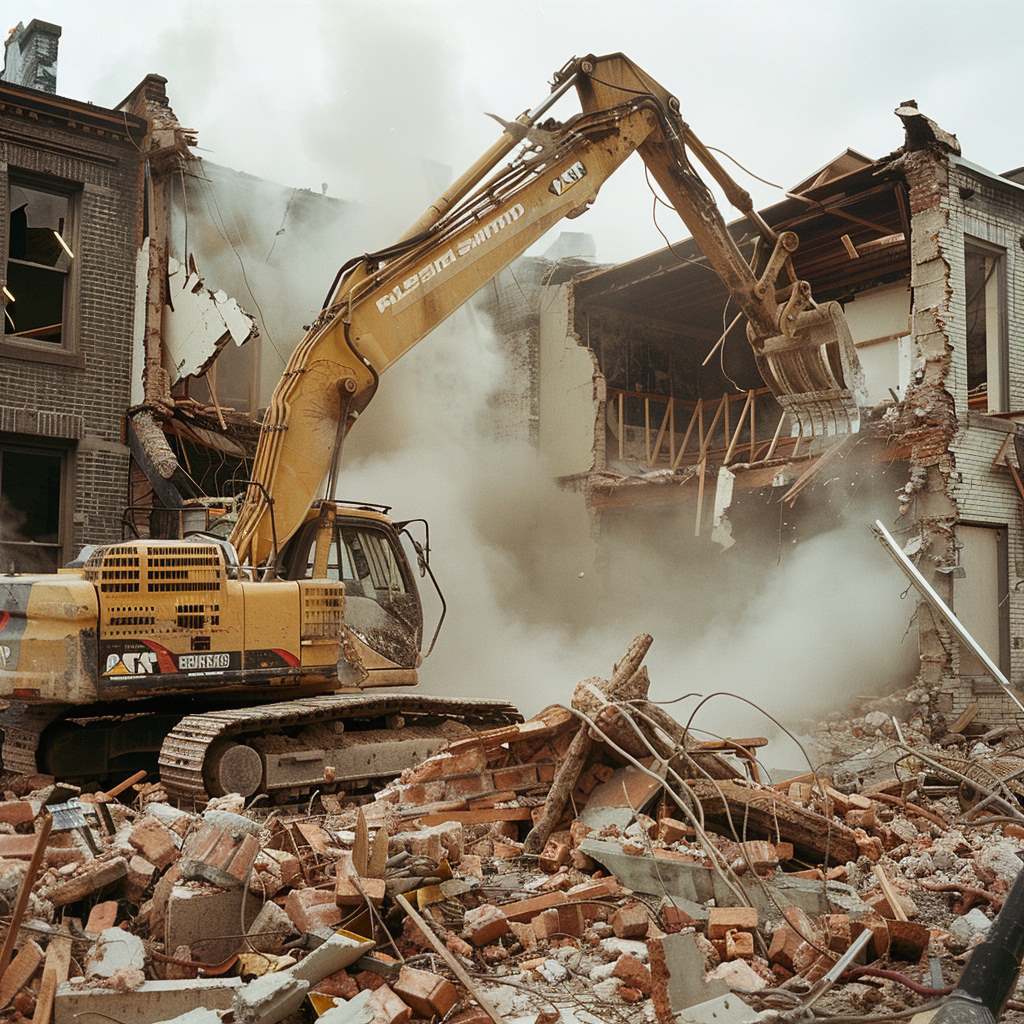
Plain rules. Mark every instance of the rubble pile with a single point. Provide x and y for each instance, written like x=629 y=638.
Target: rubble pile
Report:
x=594 y=863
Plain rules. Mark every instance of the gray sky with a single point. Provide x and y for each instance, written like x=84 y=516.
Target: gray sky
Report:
x=359 y=95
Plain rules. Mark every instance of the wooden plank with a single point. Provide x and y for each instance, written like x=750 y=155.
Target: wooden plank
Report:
x=851 y=249
x=55 y=973
x=967 y=716
x=892 y=897
x=21 y=904
x=700 y=495
x=453 y=964
x=659 y=440
x=19 y=972
x=739 y=427
x=698 y=410
x=622 y=439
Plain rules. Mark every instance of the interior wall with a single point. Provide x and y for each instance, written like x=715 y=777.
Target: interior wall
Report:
x=876 y=314
x=571 y=392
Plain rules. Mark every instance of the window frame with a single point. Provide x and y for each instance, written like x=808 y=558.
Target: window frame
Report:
x=68 y=352
x=989 y=250
x=65 y=452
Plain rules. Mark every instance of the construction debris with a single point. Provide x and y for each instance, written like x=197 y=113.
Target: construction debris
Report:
x=595 y=856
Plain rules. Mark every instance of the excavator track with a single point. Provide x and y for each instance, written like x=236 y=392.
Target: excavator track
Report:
x=247 y=749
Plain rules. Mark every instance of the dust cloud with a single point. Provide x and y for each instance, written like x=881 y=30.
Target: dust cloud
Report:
x=535 y=605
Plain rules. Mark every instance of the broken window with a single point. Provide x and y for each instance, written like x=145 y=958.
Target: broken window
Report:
x=30 y=509
x=984 y=287
x=39 y=260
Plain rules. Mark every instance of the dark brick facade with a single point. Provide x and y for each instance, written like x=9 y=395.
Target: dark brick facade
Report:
x=75 y=396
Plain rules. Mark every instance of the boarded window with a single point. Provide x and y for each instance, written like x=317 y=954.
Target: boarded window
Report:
x=30 y=509
x=39 y=257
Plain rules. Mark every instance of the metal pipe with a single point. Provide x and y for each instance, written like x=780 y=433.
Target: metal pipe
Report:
x=928 y=592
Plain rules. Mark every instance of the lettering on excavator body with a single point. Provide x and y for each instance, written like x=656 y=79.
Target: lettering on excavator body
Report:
x=450 y=257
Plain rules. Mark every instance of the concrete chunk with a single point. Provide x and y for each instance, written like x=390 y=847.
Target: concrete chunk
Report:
x=151 y=1003
x=207 y=920
x=269 y=999
x=115 y=952
x=358 y=1010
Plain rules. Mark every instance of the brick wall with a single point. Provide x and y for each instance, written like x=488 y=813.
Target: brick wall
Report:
x=83 y=398
x=992 y=212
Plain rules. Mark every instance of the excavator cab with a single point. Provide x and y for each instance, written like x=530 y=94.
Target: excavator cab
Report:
x=383 y=612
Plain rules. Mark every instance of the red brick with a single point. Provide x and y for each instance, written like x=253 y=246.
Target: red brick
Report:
x=631 y=921
x=310 y=909
x=631 y=972
x=428 y=994
x=671 y=830
x=387 y=1007
x=16 y=812
x=722 y=920
x=566 y=919
x=485 y=924
x=101 y=917
x=155 y=842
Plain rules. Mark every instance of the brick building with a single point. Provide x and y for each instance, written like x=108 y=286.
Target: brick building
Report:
x=925 y=251
x=70 y=219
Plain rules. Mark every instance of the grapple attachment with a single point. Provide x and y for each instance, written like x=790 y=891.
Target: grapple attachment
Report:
x=814 y=372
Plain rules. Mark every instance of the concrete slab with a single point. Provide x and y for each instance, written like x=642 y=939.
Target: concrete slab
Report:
x=699 y=884
x=151 y=1003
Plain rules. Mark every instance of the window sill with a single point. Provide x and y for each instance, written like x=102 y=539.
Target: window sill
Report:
x=30 y=353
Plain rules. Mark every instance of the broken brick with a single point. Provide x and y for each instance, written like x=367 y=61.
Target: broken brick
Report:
x=630 y=971
x=157 y=843
x=310 y=909
x=485 y=924
x=722 y=920
x=387 y=1007
x=16 y=812
x=739 y=945
x=554 y=856
x=429 y=995
x=631 y=921
x=101 y=917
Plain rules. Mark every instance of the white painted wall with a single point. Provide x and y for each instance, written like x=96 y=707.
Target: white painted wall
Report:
x=876 y=314
x=568 y=399
x=976 y=597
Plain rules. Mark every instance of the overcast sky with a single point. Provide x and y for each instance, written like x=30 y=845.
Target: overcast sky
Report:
x=362 y=96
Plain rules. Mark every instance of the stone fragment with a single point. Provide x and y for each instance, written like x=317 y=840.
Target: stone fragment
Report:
x=312 y=909
x=271 y=928
x=116 y=953
x=738 y=975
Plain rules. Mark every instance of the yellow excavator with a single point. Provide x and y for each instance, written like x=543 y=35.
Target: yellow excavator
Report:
x=254 y=663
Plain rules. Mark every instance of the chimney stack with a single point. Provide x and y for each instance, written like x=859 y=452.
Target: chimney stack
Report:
x=30 y=55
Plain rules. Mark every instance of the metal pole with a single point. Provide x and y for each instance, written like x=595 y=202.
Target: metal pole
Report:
x=928 y=592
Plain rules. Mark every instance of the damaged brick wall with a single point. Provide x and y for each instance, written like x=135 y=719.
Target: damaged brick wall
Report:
x=993 y=212
x=952 y=479
x=88 y=384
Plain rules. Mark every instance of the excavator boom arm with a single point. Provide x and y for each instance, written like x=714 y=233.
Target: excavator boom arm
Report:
x=384 y=303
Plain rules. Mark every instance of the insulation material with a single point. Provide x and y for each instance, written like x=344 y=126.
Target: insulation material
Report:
x=198 y=322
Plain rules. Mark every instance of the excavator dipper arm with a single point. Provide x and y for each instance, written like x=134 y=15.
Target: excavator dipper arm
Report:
x=383 y=303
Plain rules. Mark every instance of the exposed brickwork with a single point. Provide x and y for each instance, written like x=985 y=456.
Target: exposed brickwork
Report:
x=82 y=398
x=993 y=212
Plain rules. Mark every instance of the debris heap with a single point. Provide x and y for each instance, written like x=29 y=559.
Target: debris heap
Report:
x=593 y=863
